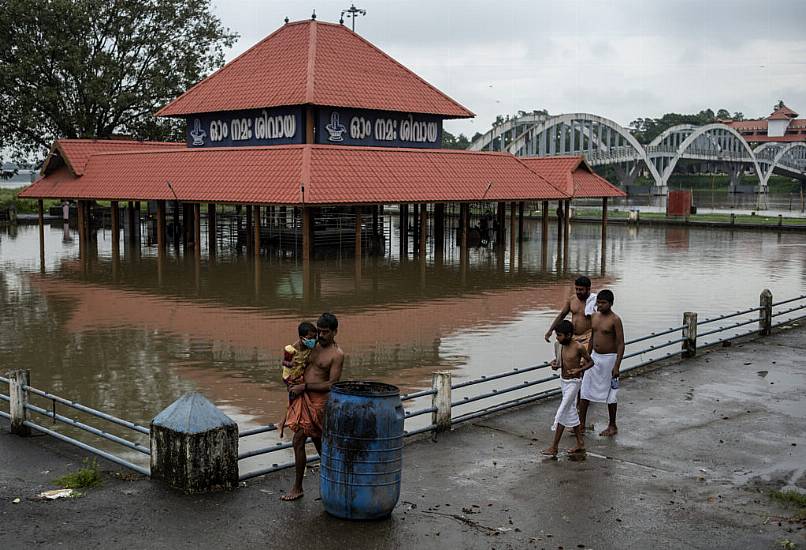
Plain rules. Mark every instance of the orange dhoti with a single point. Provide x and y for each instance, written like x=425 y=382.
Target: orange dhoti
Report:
x=306 y=412
x=584 y=338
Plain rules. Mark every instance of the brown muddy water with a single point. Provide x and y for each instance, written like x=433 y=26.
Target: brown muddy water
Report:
x=130 y=338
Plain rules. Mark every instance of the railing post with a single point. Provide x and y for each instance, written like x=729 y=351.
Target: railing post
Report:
x=765 y=315
x=17 y=381
x=441 y=401
x=690 y=334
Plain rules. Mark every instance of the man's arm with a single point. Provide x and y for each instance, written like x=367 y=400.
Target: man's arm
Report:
x=587 y=362
x=619 y=346
x=335 y=375
x=593 y=336
x=560 y=316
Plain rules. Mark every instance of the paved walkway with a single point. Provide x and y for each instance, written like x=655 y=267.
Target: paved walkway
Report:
x=702 y=444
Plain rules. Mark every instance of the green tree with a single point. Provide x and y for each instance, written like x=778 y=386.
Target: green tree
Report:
x=94 y=68
x=449 y=141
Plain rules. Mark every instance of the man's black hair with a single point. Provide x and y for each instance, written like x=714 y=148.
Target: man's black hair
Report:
x=605 y=295
x=564 y=327
x=328 y=321
x=305 y=328
x=583 y=281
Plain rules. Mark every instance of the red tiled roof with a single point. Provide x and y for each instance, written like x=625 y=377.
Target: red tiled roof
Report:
x=766 y=138
x=314 y=63
x=783 y=112
x=75 y=152
x=572 y=175
x=274 y=175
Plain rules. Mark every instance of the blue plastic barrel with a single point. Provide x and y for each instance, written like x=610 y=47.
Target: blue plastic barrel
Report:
x=362 y=445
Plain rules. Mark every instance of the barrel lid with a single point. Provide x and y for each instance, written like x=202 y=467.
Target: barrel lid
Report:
x=367 y=389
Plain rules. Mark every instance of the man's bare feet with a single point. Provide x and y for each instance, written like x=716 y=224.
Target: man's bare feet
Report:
x=577 y=449
x=609 y=431
x=551 y=451
x=293 y=494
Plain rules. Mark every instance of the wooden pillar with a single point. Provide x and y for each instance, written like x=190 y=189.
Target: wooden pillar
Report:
x=256 y=229
x=130 y=217
x=464 y=222
x=211 y=229
x=375 y=221
x=604 y=223
x=40 y=208
x=567 y=220
x=423 y=230
x=309 y=125
x=160 y=226
x=115 y=228
x=439 y=231
x=307 y=233
x=520 y=223
x=544 y=229
x=501 y=234
x=249 y=230
x=82 y=242
x=197 y=229
x=176 y=226
x=358 y=222
x=404 y=231
x=415 y=227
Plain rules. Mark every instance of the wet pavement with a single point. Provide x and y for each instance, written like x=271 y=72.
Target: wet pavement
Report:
x=702 y=444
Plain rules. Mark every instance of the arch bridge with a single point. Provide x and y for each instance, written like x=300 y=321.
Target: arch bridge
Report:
x=605 y=142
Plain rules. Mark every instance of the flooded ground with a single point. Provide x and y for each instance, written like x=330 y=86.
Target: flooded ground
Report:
x=130 y=337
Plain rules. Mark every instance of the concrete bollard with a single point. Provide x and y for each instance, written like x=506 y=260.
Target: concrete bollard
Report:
x=441 y=401
x=765 y=315
x=690 y=334
x=17 y=379
x=194 y=446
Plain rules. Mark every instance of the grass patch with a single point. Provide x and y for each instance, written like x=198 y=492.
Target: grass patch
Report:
x=789 y=497
x=86 y=477
x=8 y=197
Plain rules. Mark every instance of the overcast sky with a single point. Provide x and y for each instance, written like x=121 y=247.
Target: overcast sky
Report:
x=621 y=59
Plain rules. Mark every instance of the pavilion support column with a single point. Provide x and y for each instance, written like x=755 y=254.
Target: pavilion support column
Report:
x=566 y=232
x=500 y=236
x=176 y=225
x=544 y=228
x=423 y=230
x=464 y=228
x=211 y=229
x=375 y=221
x=604 y=221
x=249 y=230
x=513 y=218
x=415 y=227
x=197 y=229
x=404 y=231
x=82 y=243
x=115 y=233
x=256 y=221
x=137 y=219
x=307 y=234
x=520 y=223
x=358 y=223
x=439 y=231
x=40 y=209
x=130 y=220
x=160 y=226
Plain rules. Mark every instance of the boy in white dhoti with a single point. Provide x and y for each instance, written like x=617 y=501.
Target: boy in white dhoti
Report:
x=606 y=347
x=572 y=359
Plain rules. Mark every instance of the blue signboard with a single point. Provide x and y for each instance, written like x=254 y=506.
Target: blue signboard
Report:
x=243 y=128
x=336 y=126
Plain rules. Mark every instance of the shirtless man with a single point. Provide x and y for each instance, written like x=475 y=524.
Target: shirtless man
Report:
x=601 y=383
x=306 y=412
x=581 y=306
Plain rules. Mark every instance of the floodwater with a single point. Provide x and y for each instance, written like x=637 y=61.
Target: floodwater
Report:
x=130 y=337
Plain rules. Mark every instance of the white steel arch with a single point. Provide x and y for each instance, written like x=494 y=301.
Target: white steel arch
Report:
x=775 y=155
x=703 y=131
x=599 y=150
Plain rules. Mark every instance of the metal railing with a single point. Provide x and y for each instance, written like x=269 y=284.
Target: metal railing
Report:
x=766 y=316
x=27 y=390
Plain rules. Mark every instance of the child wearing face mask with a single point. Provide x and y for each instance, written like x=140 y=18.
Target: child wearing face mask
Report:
x=295 y=358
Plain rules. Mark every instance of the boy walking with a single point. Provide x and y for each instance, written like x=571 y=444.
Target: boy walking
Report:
x=601 y=382
x=572 y=359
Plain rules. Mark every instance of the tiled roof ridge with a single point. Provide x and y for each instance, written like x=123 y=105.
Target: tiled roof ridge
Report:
x=222 y=69
x=311 y=71
x=470 y=114
x=114 y=140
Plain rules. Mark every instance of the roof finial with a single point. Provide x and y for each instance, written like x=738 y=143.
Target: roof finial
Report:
x=286 y=20
x=352 y=12
x=313 y=16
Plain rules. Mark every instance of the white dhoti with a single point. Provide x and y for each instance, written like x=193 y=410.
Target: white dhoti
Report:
x=596 y=382
x=567 y=413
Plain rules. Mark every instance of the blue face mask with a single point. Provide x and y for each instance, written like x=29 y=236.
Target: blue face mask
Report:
x=309 y=342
